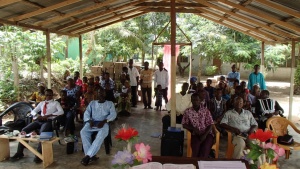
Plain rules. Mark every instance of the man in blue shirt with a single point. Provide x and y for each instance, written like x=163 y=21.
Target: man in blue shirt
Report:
x=256 y=78
x=232 y=76
x=96 y=118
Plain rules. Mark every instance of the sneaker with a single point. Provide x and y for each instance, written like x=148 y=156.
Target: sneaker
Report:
x=37 y=160
x=17 y=157
x=85 y=161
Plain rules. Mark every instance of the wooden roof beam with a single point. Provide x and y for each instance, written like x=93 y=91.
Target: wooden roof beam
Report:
x=255 y=29
x=107 y=19
x=8 y=2
x=168 y=4
x=3 y=21
x=83 y=10
x=233 y=27
x=250 y=20
x=93 y=16
x=281 y=8
x=169 y=9
x=34 y=4
x=262 y=15
x=44 y=10
x=120 y=20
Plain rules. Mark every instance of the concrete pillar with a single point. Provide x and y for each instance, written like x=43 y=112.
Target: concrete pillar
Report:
x=292 y=81
x=173 y=64
x=262 y=62
x=48 y=60
x=80 y=57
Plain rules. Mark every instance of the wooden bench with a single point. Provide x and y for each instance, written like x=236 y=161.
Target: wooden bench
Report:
x=47 y=157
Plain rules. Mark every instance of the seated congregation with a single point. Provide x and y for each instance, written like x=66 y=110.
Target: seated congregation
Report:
x=200 y=109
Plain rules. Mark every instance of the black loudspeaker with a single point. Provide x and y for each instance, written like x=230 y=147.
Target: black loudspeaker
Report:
x=70 y=148
x=172 y=143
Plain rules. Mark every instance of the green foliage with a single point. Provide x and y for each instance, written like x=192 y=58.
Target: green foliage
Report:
x=7 y=91
x=210 y=70
x=255 y=152
x=297 y=76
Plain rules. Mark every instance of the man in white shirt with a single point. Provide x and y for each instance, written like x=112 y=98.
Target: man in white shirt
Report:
x=161 y=77
x=241 y=123
x=134 y=80
x=48 y=109
x=183 y=101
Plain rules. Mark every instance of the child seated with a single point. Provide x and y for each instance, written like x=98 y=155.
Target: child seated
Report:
x=159 y=96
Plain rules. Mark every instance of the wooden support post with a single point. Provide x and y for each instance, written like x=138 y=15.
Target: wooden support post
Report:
x=262 y=62
x=48 y=59
x=191 y=64
x=42 y=69
x=80 y=57
x=173 y=64
x=292 y=81
x=4 y=148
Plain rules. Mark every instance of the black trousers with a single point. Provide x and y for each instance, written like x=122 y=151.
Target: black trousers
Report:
x=147 y=101
x=43 y=126
x=165 y=95
x=133 y=95
x=166 y=120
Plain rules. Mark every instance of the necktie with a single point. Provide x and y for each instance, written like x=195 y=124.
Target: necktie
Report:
x=45 y=108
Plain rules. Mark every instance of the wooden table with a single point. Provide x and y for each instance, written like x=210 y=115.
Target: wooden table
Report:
x=47 y=148
x=191 y=160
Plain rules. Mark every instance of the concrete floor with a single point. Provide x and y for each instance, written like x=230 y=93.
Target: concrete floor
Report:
x=147 y=122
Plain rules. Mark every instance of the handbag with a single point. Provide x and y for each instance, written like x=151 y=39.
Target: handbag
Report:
x=285 y=139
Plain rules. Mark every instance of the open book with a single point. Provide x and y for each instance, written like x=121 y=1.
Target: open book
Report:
x=156 y=165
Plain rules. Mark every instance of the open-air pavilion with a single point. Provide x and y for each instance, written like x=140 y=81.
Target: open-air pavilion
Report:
x=269 y=21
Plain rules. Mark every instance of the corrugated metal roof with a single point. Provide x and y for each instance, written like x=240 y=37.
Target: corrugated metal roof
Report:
x=265 y=20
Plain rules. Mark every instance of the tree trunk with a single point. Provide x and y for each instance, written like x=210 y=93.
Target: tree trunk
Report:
x=14 y=62
x=143 y=57
x=41 y=70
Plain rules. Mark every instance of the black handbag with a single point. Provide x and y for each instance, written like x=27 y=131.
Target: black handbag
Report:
x=285 y=139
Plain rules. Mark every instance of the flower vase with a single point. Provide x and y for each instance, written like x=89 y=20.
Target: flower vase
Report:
x=129 y=144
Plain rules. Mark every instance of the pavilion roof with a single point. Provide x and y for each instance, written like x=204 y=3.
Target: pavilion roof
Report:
x=274 y=21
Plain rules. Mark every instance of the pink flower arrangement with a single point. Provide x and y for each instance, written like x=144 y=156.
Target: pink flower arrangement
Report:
x=278 y=151
x=142 y=153
x=125 y=158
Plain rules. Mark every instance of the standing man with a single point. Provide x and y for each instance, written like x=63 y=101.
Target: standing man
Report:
x=96 y=118
x=134 y=80
x=232 y=76
x=161 y=77
x=241 y=123
x=256 y=78
x=48 y=108
x=146 y=85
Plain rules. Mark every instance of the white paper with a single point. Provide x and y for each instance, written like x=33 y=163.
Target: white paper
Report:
x=221 y=165
x=156 y=165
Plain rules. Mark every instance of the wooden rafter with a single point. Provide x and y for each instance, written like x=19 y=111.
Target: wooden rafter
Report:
x=96 y=15
x=43 y=10
x=279 y=7
x=262 y=15
x=250 y=20
x=233 y=27
x=83 y=10
x=169 y=9
x=3 y=21
x=168 y=4
x=8 y=2
x=120 y=20
x=36 y=5
x=241 y=24
x=91 y=24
